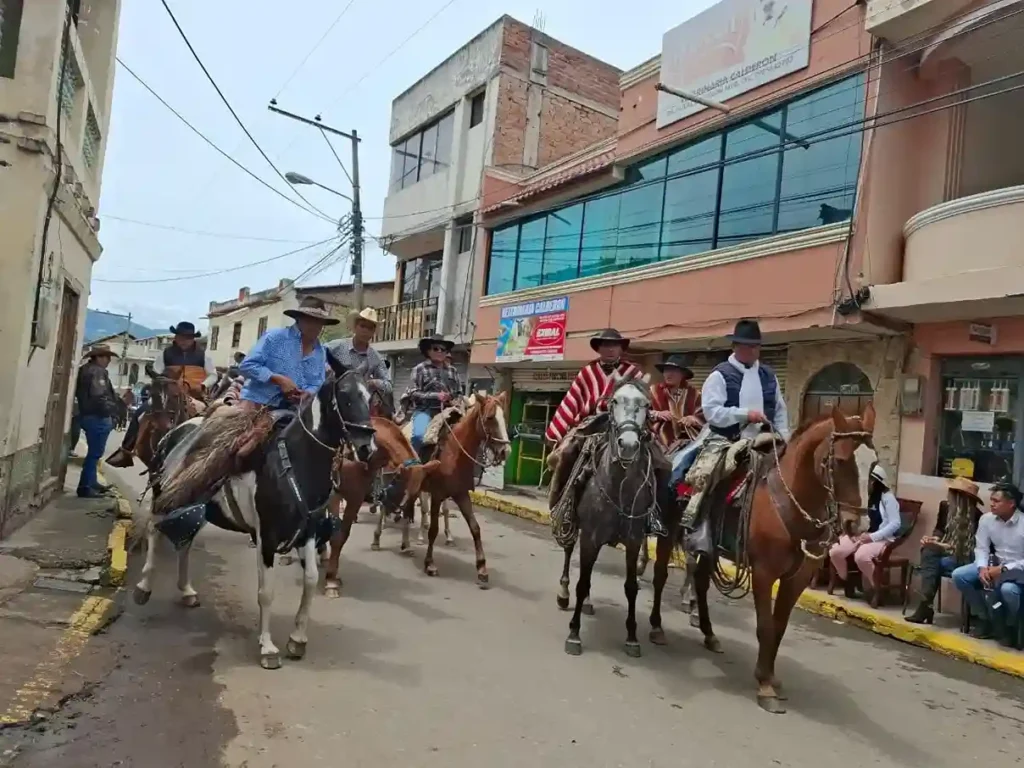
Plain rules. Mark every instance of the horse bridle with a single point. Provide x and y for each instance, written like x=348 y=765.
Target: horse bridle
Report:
x=489 y=439
x=346 y=427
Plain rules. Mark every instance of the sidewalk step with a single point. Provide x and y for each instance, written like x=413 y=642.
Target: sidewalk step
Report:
x=62 y=585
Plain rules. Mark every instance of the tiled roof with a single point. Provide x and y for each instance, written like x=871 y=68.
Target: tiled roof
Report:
x=587 y=167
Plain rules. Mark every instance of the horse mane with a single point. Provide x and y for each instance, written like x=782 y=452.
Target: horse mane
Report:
x=390 y=435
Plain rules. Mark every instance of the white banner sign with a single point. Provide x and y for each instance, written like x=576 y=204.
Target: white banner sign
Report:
x=731 y=48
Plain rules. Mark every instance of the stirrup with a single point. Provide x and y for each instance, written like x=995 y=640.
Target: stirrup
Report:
x=655 y=527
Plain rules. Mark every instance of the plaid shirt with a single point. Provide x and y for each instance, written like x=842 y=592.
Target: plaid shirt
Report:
x=369 y=362
x=429 y=381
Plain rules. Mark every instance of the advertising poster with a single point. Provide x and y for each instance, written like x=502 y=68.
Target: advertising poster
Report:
x=532 y=331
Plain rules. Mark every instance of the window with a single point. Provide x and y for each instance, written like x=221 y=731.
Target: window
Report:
x=10 y=26
x=464 y=233
x=842 y=384
x=980 y=422
x=421 y=278
x=261 y=327
x=70 y=82
x=214 y=336
x=236 y=335
x=476 y=109
x=424 y=153
x=752 y=180
x=91 y=140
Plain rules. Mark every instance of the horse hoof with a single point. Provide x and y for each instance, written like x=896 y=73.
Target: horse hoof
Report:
x=449 y=542
x=332 y=589
x=483 y=581
x=771 y=704
x=190 y=601
x=587 y=609
x=573 y=647
x=270 y=661
x=563 y=602
x=695 y=621
x=141 y=596
x=407 y=551
x=633 y=650
x=713 y=644
x=430 y=570
x=295 y=649
x=375 y=546
x=657 y=637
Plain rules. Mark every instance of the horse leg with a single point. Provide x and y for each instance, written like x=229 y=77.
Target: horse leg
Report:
x=686 y=592
x=428 y=560
x=563 y=583
x=785 y=599
x=424 y=517
x=767 y=697
x=375 y=546
x=448 y=538
x=466 y=507
x=189 y=598
x=296 y=647
x=270 y=656
x=588 y=558
x=144 y=589
x=701 y=585
x=332 y=581
x=661 y=559
x=631 y=588
x=408 y=513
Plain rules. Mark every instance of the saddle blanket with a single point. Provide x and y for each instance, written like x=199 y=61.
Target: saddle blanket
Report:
x=433 y=434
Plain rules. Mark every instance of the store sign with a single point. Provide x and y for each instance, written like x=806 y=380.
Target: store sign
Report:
x=731 y=48
x=534 y=331
x=982 y=333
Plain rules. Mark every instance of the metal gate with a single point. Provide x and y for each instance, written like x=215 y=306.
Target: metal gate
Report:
x=54 y=440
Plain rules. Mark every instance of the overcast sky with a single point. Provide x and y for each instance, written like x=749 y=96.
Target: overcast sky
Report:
x=158 y=171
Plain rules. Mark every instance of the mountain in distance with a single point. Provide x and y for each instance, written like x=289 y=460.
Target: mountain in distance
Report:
x=99 y=325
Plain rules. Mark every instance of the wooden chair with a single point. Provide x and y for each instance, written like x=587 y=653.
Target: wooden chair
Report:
x=885 y=562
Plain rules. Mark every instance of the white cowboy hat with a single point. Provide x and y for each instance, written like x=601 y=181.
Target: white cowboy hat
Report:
x=879 y=474
x=369 y=314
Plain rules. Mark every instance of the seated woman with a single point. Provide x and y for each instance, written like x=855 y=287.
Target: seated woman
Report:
x=884 y=524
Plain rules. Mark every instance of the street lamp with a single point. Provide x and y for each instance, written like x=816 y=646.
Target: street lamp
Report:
x=297 y=179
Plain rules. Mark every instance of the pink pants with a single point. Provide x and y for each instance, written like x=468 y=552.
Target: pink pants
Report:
x=863 y=556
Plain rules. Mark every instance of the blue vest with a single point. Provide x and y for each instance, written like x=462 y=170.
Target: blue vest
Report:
x=874 y=516
x=733 y=381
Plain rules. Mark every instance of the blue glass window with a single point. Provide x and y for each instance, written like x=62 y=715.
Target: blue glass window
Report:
x=531 y=253
x=501 y=272
x=562 y=245
x=640 y=215
x=600 y=235
x=691 y=197
x=749 y=186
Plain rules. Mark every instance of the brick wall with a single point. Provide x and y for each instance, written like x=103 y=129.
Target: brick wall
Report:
x=510 y=122
x=568 y=127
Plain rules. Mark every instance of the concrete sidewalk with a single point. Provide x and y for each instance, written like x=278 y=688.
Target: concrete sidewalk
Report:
x=945 y=637
x=57 y=584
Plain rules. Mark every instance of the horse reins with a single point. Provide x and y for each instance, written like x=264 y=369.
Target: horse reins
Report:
x=489 y=439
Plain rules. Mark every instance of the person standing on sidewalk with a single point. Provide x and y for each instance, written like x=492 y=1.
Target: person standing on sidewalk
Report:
x=97 y=406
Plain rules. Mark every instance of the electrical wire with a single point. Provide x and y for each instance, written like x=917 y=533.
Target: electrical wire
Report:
x=182 y=230
x=234 y=114
x=313 y=50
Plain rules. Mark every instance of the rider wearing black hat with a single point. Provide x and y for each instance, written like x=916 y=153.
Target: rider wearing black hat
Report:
x=435 y=383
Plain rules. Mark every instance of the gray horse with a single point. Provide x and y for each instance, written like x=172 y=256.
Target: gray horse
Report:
x=615 y=501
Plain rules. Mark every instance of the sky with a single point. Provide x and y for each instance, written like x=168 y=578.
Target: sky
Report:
x=159 y=172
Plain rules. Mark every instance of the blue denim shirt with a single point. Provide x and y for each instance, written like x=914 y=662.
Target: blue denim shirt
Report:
x=279 y=352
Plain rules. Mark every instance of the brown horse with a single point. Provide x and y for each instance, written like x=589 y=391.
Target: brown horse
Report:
x=795 y=514
x=393 y=453
x=483 y=426
x=169 y=406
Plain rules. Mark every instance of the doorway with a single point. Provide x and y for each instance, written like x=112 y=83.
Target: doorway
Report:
x=55 y=444
x=842 y=384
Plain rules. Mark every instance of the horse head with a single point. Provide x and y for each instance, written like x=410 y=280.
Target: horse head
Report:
x=836 y=455
x=344 y=410
x=492 y=422
x=629 y=403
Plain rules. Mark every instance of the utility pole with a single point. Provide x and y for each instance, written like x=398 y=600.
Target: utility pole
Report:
x=357 y=213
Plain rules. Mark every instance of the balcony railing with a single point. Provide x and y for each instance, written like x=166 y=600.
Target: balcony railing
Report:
x=408 y=320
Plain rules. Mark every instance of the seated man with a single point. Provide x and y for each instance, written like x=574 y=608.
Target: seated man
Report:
x=1001 y=529
x=434 y=386
x=950 y=545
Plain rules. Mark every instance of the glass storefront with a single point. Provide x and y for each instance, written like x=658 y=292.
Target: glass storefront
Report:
x=775 y=173
x=981 y=422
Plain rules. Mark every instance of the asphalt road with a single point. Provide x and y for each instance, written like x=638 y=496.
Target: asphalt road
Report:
x=405 y=670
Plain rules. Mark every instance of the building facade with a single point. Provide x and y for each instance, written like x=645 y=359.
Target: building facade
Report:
x=235 y=325
x=56 y=88
x=513 y=100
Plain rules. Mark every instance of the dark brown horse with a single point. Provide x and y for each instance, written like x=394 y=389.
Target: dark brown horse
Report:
x=483 y=426
x=394 y=455
x=169 y=406
x=795 y=514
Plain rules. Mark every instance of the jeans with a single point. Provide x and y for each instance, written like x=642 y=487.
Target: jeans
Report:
x=1010 y=593
x=97 y=429
x=420 y=421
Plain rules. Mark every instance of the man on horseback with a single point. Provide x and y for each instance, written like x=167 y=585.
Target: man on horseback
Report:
x=355 y=353
x=740 y=399
x=675 y=408
x=435 y=385
x=586 y=399
x=184 y=360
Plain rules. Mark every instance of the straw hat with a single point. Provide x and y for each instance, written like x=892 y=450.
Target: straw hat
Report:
x=368 y=314
x=966 y=487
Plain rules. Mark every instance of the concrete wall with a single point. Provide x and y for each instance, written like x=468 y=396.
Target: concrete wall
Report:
x=249 y=317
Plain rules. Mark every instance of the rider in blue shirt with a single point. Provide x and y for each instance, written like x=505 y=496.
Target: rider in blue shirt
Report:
x=287 y=362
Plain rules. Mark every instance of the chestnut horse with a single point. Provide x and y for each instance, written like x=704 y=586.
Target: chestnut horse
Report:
x=394 y=453
x=794 y=517
x=483 y=426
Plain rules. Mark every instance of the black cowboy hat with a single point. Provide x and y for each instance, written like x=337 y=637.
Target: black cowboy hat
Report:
x=437 y=339
x=609 y=335
x=314 y=309
x=185 y=328
x=746 y=332
x=679 y=362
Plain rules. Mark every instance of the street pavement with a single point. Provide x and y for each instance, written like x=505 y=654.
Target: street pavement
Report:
x=406 y=670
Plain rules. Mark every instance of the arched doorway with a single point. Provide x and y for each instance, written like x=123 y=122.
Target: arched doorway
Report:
x=842 y=384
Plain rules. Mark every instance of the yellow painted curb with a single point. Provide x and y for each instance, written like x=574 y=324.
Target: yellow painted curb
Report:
x=117 y=541
x=499 y=504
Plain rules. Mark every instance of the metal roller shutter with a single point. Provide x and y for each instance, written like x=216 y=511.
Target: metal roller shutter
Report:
x=777 y=358
x=542 y=379
x=705 y=362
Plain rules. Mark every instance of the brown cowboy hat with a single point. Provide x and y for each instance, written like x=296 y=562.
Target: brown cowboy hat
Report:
x=100 y=350
x=609 y=336
x=314 y=309
x=966 y=487
x=436 y=339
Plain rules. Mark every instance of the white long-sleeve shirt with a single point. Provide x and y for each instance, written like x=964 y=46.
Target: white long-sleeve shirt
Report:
x=208 y=366
x=1007 y=537
x=891 y=522
x=718 y=414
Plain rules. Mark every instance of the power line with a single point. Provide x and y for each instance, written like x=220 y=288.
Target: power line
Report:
x=203 y=233
x=220 y=271
x=336 y=157
x=313 y=50
x=231 y=109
